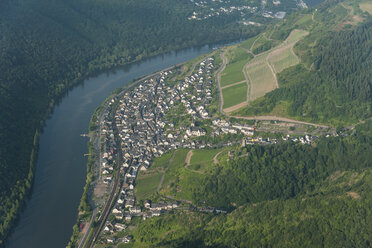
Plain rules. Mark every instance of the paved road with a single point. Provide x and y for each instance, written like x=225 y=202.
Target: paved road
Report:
x=218 y=79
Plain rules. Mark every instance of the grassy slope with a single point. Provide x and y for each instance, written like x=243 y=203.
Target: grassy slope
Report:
x=237 y=57
x=234 y=95
x=147 y=181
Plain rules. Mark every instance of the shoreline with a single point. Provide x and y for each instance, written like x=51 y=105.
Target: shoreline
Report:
x=98 y=111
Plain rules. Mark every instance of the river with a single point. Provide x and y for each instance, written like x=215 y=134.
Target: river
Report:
x=50 y=213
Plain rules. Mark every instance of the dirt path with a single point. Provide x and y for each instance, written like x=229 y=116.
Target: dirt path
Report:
x=215 y=161
x=188 y=158
x=162 y=177
x=230 y=85
x=277 y=118
x=235 y=107
x=254 y=42
x=248 y=80
x=272 y=69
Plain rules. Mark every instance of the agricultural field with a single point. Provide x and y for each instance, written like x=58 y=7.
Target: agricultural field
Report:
x=261 y=78
x=234 y=95
x=283 y=58
x=366 y=6
x=260 y=70
x=296 y=35
x=233 y=73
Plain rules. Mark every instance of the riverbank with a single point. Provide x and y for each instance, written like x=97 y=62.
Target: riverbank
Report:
x=85 y=98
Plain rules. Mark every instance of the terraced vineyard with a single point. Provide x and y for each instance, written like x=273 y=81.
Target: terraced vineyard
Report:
x=246 y=79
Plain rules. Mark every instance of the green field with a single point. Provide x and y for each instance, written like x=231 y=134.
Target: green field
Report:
x=296 y=35
x=283 y=59
x=237 y=58
x=177 y=163
x=146 y=185
x=179 y=182
x=202 y=160
x=204 y=155
x=234 y=95
x=147 y=181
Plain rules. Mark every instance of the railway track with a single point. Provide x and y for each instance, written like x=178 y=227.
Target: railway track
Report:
x=113 y=195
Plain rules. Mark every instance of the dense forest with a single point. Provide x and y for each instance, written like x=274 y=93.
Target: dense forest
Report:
x=333 y=84
x=280 y=196
x=282 y=171
x=46 y=47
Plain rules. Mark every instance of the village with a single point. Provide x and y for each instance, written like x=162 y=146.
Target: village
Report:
x=275 y=9
x=146 y=130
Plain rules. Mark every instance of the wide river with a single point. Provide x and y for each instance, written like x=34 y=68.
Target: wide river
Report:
x=49 y=215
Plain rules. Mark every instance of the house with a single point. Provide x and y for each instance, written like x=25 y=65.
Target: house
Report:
x=135 y=210
x=127 y=239
x=147 y=204
x=195 y=131
x=120 y=227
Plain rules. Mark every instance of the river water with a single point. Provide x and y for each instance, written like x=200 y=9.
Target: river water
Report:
x=49 y=215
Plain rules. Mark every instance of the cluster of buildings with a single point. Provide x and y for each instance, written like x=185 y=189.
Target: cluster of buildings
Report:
x=216 y=8
x=137 y=123
x=195 y=91
x=143 y=131
x=212 y=8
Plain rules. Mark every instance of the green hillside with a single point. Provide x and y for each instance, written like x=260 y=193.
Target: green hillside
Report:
x=279 y=196
x=333 y=83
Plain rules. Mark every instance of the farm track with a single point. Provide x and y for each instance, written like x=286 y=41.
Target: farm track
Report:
x=165 y=171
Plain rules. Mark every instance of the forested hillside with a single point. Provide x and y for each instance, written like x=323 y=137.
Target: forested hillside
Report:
x=279 y=196
x=48 y=46
x=333 y=84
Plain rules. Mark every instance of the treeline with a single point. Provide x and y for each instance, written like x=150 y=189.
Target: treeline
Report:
x=337 y=86
x=48 y=46
x=282 y=171
x=280 y=196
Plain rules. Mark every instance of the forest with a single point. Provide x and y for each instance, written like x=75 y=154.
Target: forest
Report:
x=46 y=47
x=285 y=196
